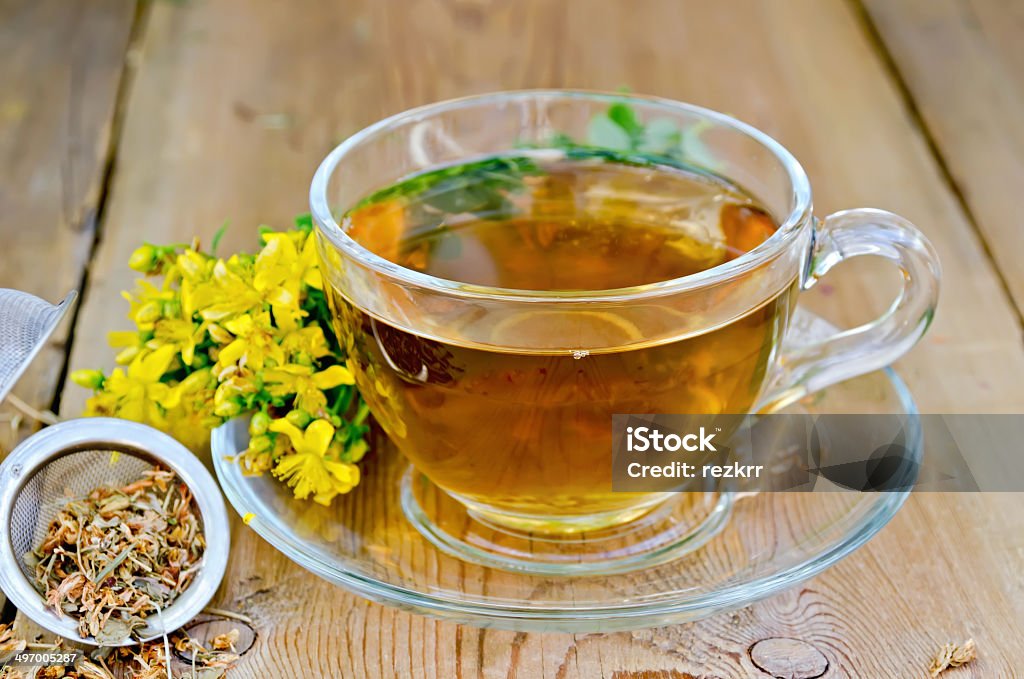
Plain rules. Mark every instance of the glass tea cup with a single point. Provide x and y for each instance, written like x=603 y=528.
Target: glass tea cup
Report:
x=502 y=398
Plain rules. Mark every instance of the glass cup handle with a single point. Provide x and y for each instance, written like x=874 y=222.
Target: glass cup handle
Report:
x=801 y=370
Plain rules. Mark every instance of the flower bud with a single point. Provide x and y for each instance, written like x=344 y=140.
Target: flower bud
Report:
x=260 y=444
x=219 y=334
x=143 y=259
x=171 y=308
x=148 y=313
x=299 y=418
x=356 y=451
x=258 y=424
x=228 y=408
x=126 y=356
x=196 y=381
x=90 y=379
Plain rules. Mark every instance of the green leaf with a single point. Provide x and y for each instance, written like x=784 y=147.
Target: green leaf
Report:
x=603 y=132
x=696 y=150
x=118 y=560
x=218 y=236
x=624 y=116
x=662 y=135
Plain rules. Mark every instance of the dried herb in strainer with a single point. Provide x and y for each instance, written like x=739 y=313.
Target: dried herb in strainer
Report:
x=120 y=554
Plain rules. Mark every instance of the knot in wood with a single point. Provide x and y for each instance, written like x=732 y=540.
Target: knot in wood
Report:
x=785 y=658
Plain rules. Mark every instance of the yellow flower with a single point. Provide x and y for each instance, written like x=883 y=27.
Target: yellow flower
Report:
x=306 y=344
x=226 y=399
x=101 y=404
x=307 y=385
x=279 y=272
x=182 y=334
x=139 y=393
x=254 y=343
x=195 y=269
x=308 y=470
x=195 y=266
x=260 y=344
x=311 y=263
x=227 y=294
x=129 y=342
x=240 y=286
x=147 y=304
x=301 y=249
x=192 y=419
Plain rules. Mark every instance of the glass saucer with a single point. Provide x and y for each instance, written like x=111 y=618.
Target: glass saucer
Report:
x=769 y=542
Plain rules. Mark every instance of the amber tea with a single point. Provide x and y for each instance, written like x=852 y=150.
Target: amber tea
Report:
x=512 y=414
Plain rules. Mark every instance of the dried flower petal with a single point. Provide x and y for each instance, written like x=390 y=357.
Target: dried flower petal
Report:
x=952 y=655
x=8 y=642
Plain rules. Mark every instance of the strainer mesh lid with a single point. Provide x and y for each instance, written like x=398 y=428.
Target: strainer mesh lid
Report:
x=25 y=323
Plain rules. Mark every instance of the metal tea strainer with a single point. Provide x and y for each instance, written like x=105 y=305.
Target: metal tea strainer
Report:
x=25 y=324
x=72 y=458
x=69 y=460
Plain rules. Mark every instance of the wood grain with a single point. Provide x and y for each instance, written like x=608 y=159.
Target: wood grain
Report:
x=963 y=62
x=59 y=75
x=236 y=102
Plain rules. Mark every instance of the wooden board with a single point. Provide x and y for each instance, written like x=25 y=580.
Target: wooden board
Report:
x=61 y=67
x=963 y=62
x=235 y=104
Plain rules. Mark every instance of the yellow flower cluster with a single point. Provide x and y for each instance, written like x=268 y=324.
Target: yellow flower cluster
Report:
x=245 y=336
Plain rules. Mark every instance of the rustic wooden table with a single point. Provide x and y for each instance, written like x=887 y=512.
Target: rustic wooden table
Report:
x=122 y=122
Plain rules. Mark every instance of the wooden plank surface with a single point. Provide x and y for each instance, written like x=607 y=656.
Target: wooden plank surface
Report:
x=59 y=75
x=963 y=62
x=235 y=103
